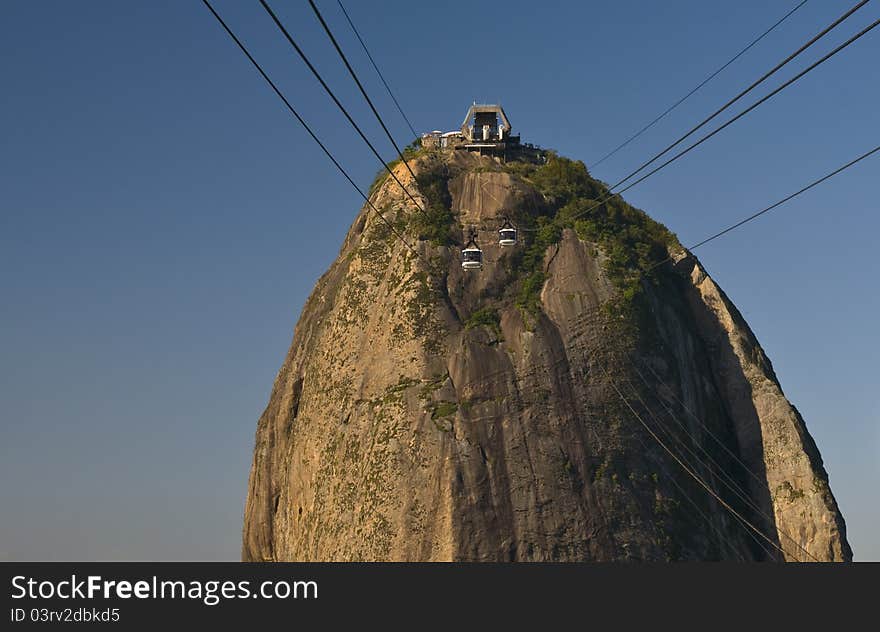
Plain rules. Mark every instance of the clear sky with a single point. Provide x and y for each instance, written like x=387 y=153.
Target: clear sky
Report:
x=163 y=219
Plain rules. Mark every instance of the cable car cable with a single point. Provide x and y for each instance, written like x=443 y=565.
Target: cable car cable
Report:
x=743 y=522
x=690 y=472
x=705 y=426
x=753 y=106
x=379 y=72
x=742 y=494
x=779 y=89
x=749 y=532
x=323 y=147
x=732 y=485
x=693 y=91
x=341 y=107
x=360 y=87
x=750 y=218
x=305 y=125
x=773 y=206
x=744 y=92
x=611 y=193
x=755 y=215
x=723 y=539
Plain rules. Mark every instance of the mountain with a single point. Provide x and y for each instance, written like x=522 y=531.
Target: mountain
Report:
x=590 y=394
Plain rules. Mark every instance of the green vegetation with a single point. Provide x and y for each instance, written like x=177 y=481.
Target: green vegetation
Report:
x=523 y=170
x=547 y=233
x=378 y=181
x=429 y=387
x=665 y=506
x=562 y=181
x=420 y=312
x=485 y=317
x=787 y=491
x=632 y=242
x=414 y=147
x=602 y=469
x=374 y=252
x=436 y=222
x=402 y=385
x=440 y=411
x=443 y=409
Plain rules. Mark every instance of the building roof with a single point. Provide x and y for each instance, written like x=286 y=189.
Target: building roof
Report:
x=486 y=107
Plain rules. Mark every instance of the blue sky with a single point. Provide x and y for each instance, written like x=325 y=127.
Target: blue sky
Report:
x=163 y=219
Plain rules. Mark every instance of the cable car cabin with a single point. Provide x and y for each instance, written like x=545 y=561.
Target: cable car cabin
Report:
x=507 y=234
x=507 y=237
x=472 y=256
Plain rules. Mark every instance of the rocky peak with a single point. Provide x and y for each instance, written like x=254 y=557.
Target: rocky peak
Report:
x=426 y=412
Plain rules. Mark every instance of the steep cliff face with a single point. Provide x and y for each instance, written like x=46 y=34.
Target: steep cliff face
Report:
x=552 y=406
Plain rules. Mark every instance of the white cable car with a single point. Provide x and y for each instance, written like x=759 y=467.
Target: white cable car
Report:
x=472 y=256
x=507 y=234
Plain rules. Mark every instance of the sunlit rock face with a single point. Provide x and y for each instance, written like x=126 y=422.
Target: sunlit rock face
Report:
x=426 y=412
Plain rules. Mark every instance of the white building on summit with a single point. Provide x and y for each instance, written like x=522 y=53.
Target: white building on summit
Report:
x=486 y=130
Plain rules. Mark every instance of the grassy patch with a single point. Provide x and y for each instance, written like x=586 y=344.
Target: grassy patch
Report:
x=485 y=317
x=560 y=181
x=428 y=388
x=402 y=385
x=443 y=409
x=788 y=491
